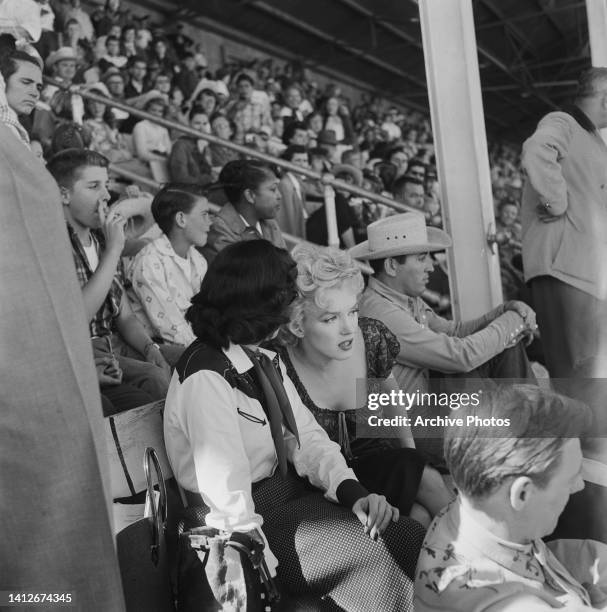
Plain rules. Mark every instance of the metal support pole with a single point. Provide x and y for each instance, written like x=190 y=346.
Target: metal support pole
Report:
x=597 y=32
x=450 y=54
x=331 y=215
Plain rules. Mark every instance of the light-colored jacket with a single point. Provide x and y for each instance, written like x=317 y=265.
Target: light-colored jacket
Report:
x=566 y=165
x=228 y=227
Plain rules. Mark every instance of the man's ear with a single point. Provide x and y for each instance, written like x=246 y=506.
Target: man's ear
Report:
x=521 y=491
x=390 y=266
x=180 y=219
x=66 y=197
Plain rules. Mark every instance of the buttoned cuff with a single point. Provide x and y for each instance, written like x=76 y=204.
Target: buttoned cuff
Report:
x=349 y=492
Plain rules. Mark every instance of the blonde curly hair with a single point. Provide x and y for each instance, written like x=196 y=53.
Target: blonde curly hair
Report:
x=318 y=270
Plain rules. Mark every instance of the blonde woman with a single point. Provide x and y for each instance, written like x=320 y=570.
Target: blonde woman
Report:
x=328 y=351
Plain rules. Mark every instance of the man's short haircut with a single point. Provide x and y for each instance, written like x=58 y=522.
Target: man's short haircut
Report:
x=196 y=110
x=245 y=294
x=480 y=458
x=317 y=153
x=291 y=128
x=378 y=264
x=9 y=65
x=243 y=76
x=398 y=186
x=171 y=199
x=292 y=150
x=591 y=82
x=135 y=59
x=66 y=165
x=111 y=39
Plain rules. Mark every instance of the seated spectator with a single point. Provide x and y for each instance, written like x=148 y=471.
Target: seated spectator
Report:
x=489 y=347
x=296 y=108
x=137 y=69
x=190 y=159
x=314 y=123
x=208 y=100
x=105 y=139
x=409 y=191
x=115 y=83
x=72 y=34
x=316 y=225
x=76 y=12
x=112 y=56
x=127 y=41
x=485 y=551
x=390 y=125
x=163 y=56
x=97 y=238
x=333 y=119
x=417 y=170
x=227 y=457
x=22 y=74
x=508 y=231
x=187 y=79
x=246 y=113
x=291 y=216
x=328 y=141
x=167 y=273
x=110 y=15
x=64 y=104
x=220 y=155
x=253 y=202
x=400 y=158
x=295 y=133
x=152 y=141
x=327 y=350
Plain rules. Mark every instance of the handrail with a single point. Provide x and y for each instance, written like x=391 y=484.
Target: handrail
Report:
x=289 y=239
x=282 y=163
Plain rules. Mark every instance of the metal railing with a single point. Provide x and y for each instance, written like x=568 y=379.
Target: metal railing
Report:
x=276 y=161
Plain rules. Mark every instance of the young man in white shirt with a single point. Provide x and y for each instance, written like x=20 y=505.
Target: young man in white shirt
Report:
x=167 y=273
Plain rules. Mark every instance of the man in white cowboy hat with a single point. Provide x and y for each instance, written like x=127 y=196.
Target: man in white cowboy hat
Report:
x=398 y=250
x=64 y=104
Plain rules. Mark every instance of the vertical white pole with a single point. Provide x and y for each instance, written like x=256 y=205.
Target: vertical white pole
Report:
x=460 y=141
x=332 y=233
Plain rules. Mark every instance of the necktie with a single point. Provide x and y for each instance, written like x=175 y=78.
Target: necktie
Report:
x=276 y=403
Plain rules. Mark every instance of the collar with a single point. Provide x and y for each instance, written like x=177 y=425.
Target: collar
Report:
x=240 y=360
x=163 y=245
x=581 y=117
x=595 y=472
x=247 y=224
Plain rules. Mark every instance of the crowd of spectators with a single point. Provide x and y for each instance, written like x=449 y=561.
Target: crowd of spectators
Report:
x=269 y=106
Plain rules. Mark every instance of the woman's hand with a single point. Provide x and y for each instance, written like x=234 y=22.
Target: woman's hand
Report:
x=375 y=513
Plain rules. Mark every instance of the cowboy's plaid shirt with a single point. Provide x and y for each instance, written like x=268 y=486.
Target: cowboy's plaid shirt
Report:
x=102 y=322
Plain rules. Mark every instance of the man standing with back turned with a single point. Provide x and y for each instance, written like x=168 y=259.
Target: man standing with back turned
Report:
x=564 y=216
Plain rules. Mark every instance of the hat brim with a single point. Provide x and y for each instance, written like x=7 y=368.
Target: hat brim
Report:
x=438 y=240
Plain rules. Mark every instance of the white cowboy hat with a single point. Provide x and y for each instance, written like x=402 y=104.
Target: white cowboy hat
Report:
x=403 y=234
x=63 y=53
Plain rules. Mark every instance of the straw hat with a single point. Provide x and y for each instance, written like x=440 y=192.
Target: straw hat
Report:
x=355 y=173
x=403 y=234
x=63 y=53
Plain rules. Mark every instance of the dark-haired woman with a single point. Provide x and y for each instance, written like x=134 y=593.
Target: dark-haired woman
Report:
x=251 y=188
x=167 y=272
x=218 y=422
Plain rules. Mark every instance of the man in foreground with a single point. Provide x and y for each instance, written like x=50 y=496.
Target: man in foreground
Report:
x=484 y=552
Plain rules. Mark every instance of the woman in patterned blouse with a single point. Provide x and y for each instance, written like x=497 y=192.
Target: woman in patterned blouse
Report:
x=330 y=352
